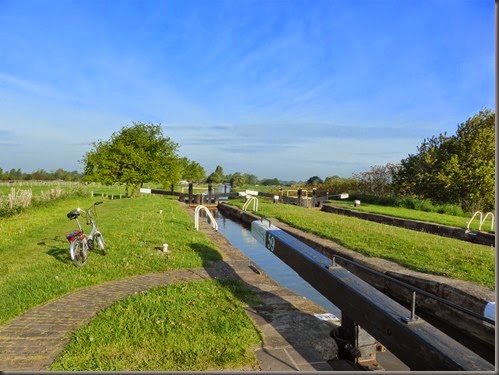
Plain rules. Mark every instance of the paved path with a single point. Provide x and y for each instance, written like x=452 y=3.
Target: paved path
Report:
x=293 y=338
x=32 y=341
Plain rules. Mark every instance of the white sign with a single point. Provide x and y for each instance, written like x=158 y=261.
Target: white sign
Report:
x=251 y=192
x=144 y=190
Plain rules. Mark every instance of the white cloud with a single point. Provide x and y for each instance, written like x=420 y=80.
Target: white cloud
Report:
x=16 y=84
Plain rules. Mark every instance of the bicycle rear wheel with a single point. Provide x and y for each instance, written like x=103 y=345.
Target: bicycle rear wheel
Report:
x=79 y=252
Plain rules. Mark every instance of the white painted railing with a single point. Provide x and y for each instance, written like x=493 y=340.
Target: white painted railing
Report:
x=482 y=220
x=485 y=218
x=208 y=213
x=249 y=199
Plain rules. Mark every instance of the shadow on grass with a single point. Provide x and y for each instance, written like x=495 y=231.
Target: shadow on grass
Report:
x=208 y=254
x=58 y=248
x=62 y=255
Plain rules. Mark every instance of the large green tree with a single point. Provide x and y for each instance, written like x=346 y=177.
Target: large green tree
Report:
x=458 y=169
x=136 y=154
x=476 y=150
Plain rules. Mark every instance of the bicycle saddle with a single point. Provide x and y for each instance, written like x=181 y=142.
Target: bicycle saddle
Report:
x=73 y=214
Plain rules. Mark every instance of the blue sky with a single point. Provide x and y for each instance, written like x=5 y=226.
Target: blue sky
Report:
x=276 y=88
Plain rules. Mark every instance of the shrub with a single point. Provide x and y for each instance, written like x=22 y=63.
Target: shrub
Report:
x=19 y=200
x=451 y=209
x=425 y=205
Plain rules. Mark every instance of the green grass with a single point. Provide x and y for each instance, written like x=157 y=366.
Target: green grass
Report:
x=415 y=250
x=199 y=325
x=432 y=217
x=34 y=254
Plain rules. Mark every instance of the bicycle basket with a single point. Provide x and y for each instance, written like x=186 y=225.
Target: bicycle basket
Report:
x=72 y=236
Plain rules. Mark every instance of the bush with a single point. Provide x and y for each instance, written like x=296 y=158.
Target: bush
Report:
x=425 y=205
x=20 y=199
x=451 y=209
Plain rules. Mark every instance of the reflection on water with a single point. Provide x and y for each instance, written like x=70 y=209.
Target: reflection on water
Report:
x=221 y=189
x=279 y=271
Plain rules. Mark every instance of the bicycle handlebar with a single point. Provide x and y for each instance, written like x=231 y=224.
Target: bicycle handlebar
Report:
x=88 y=212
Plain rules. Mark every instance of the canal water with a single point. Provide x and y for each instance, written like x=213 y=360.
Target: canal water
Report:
x=279 y=271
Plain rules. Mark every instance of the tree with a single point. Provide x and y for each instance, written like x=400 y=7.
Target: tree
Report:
x=270 y=182
x=476 y=155
x=15 y=174
x=252 y=179
x=217 y=176
x=377 y=181
x=336 y=184
x=314 y=181
x=41 y=174
x=191 y=170
x=238 y=179
x=458 y=169
x=136 y=154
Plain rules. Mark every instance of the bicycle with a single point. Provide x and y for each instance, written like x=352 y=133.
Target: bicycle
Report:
x=81 y=243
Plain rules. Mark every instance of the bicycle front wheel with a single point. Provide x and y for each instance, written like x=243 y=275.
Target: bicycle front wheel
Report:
x=79 y=252
x=100 y=241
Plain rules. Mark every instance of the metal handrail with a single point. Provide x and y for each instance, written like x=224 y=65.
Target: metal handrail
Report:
x=415 y=289
x=196 y=217
x=482 y=220
x=250 y=199
x=485 y=218
x=476 y=213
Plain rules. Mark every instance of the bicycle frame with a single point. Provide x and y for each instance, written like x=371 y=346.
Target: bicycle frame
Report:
x=94 y=232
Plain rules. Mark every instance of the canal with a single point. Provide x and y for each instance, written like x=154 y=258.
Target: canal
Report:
x=280 y=272
x=242 y=239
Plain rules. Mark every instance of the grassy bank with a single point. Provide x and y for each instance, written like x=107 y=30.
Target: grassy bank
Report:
x=432 y=217
x=415 y=250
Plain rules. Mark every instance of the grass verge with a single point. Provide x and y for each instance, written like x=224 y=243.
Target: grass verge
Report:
x=199 y=325
x=431 y=217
